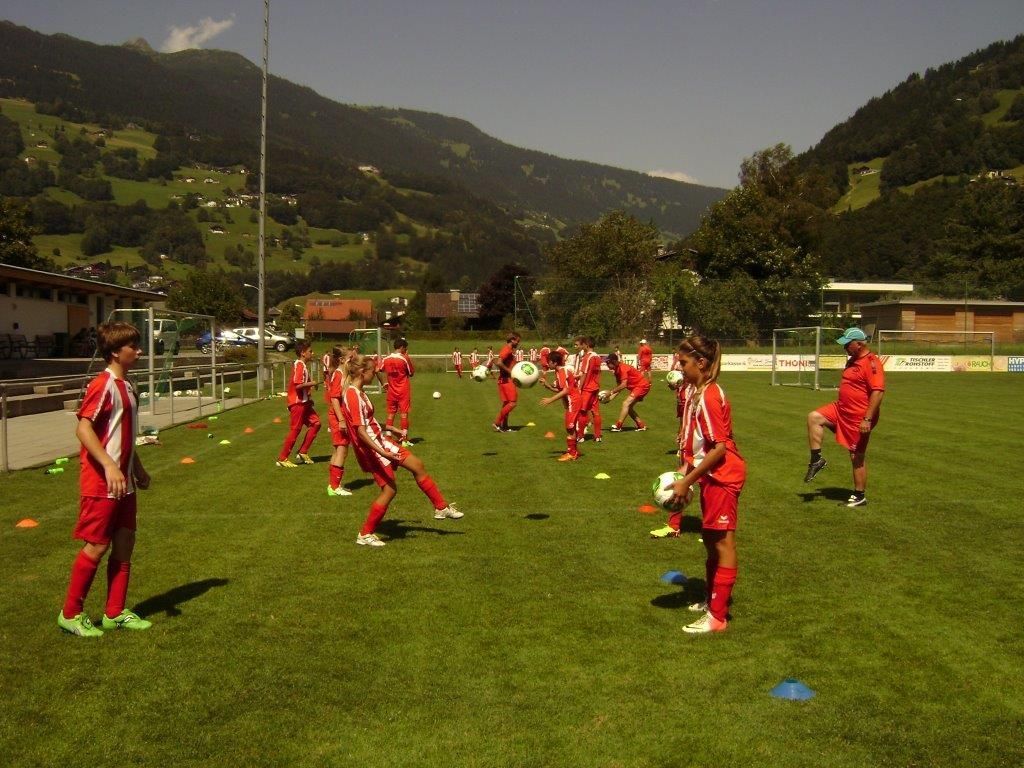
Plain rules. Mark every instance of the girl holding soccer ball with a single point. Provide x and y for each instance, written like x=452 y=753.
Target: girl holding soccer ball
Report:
x=711 y=460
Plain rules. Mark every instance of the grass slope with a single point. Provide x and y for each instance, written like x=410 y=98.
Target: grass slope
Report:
x=536 y=631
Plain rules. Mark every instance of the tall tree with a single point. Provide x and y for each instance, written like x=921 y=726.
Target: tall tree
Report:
x=497 y=299
x=767 y=229
x=207 y=292
x=16 y=247
x=600 y=281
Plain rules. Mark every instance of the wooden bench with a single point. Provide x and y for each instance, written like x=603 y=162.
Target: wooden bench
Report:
x=45 y=345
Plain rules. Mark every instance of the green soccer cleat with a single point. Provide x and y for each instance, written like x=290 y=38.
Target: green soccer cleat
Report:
x=126 y=620
x=80 y=625
x=339 y=491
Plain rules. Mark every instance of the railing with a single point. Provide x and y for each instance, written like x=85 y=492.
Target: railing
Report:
x=179 y=393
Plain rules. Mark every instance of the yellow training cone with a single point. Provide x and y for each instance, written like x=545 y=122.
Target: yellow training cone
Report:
x=602 y=476
x=225 y=442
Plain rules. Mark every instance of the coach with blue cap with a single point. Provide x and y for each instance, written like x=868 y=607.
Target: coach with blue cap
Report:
x=853 y=416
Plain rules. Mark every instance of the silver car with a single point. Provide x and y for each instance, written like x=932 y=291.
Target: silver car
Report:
x=272 y=339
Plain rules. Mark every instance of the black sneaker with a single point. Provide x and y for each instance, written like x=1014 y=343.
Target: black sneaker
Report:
x=814 y=468
x=855 y=500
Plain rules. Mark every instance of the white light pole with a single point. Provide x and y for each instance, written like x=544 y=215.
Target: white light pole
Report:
x=261 y=351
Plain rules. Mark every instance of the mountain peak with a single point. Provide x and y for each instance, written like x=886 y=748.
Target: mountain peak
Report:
x=139 y=44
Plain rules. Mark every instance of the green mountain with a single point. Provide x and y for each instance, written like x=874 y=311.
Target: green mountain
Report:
x=214 y=95
x=929 y=179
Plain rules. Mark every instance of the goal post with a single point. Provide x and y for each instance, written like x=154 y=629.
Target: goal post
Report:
x=975 y=343
x=369 y=342
x=803 y=357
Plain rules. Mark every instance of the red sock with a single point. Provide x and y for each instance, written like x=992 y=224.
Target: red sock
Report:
x=503 y=416
x=710 y=566
x=618 y=425
x=377 y=511
x=118 y=572
x=405 y=425
x=597 y=424
x=311 y=434
x=724 y=579
x=336 y=473
x=675 y=520
x=571 y=444
x=581 y=425
x=429 y=487
x=83 y=570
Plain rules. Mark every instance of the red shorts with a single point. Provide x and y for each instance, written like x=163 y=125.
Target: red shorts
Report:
x=848 y=432
x=640 y=392
x=399 y=402
x=339 y=436
x=719 y=506
x=384 y=473
x=508 y=392
x=582 y=401
x=98 y=518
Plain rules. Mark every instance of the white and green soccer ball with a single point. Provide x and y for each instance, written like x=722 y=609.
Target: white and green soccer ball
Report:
x=664 y=488
x=479 y=373
x=674 y=379
x=604 y=395
x=525 y=374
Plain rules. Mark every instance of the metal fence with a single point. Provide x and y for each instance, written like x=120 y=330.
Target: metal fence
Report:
x=35 y=423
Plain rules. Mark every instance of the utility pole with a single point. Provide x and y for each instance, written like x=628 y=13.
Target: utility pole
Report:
x=261 y=349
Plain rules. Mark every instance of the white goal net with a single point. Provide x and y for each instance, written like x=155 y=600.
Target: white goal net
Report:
x=807 y=357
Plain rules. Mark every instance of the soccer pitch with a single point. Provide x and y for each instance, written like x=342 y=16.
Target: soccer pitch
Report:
x=536 y=630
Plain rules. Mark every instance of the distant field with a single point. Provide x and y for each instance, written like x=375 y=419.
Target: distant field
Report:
x=1005 y=98
x=537 y=630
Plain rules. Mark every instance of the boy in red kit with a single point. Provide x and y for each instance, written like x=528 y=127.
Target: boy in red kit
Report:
x=853 y=416
x=711 y=460
x=336 y=424
x=399 y=369
x=587 y=373
x=457 y=362
x=628 y=377
x=111 y=473
x=300 y=408
x=379 y=455
x=507 y=391
x=566 y=391
x=644 y=357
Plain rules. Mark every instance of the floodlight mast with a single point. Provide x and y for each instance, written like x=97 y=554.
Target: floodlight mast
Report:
x=261 y=350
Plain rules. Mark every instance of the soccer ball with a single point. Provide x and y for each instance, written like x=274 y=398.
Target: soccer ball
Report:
x=479 y=373
x=525 y=374
x=664 y=490
x=604 y=395
x=674 y=379
x=437 y=395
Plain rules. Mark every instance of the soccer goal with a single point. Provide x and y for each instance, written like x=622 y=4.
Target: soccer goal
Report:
x=804 y=357
x=975 y=343
x=369 y=342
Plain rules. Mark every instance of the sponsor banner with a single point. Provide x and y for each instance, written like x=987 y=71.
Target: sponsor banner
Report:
x=940 y=363
x=972 y=363
x=1015 y=364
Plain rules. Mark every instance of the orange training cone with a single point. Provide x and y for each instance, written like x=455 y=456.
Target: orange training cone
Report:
x=277 y=419
x=28 y=522
x=188 y=460
x=549 y=435
x=646 y=509
x=249 y=430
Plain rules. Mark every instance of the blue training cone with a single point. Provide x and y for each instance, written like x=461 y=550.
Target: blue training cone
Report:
x=673 y=577
x=792 y=689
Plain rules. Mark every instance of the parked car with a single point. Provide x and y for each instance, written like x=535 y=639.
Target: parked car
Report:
x=224 y=339
x=165 y=336
x=273 y=339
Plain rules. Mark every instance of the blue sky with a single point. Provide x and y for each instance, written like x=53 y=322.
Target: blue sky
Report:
x=689 y=87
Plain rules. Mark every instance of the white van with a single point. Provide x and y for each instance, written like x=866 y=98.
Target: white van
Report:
x=165 y=336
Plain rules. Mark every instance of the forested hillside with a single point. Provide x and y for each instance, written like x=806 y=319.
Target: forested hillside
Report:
x=213 y=97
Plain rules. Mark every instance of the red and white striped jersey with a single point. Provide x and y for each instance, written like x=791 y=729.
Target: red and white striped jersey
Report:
x=707 y=421
x=474 y=359
x=519 y=355
x=588 y=371
x=111 y=405
x=358 y=412
x=300 y=375
x=457 y=359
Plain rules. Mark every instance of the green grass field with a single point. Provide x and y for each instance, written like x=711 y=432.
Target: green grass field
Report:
x=536 y=630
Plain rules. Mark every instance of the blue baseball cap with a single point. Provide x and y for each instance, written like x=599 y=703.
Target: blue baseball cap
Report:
x=852 y=334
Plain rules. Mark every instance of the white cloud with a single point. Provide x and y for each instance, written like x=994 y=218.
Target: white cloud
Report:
x=675 y=176
x=182 y=38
